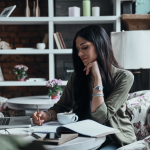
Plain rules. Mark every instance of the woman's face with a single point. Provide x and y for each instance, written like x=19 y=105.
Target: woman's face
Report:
x=86 y=50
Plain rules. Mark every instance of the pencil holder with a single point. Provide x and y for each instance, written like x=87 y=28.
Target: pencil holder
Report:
x=74 y=11
x=86 y=8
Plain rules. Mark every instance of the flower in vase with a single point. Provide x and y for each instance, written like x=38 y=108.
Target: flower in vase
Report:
x=20 y=71
x=54 y=86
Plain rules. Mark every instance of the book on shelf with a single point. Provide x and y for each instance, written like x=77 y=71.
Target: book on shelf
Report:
x=87 y=127
x=59 y=40
x=63 y=43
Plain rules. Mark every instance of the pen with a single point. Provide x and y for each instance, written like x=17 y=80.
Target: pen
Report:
x=35 y=135
x=38 y=113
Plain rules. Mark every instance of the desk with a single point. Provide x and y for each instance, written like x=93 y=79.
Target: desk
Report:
x=79 y=143
x=28 y=103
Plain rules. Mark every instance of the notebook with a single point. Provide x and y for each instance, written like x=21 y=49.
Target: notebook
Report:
x=15 y=122
x=86 y=127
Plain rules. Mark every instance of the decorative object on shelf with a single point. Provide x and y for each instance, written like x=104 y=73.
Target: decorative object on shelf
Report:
x=54 y=88
x=86 y=8
x=37 y=9
x=131 y=50
x=96 y=11
x=1 y=75
x=34 y=10
x=126 y=7
x=40 y=45
x=45 y=40
x=142 y=6
x=4 y=45
x=59 y=40
x=36 y=79
x=74 y=11
x=7 y=11
x=27 y=11
x=20 y=72
x=68 y=69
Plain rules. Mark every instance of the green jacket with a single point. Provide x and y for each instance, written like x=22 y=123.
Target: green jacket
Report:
x=112 y=111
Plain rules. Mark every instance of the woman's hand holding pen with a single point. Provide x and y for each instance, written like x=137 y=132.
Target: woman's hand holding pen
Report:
x=43 y=117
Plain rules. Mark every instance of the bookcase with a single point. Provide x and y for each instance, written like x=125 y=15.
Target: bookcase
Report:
x=53 y=21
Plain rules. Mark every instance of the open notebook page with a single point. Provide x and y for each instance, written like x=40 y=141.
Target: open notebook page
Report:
x=89 y=128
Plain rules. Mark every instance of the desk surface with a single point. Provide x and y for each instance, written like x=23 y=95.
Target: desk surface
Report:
x=30 y=102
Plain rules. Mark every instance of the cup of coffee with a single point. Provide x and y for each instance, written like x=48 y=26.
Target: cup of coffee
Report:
x=66 y=118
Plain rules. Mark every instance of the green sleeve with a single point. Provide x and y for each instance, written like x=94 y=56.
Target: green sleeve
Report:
x=65 y=104
x=116 y=99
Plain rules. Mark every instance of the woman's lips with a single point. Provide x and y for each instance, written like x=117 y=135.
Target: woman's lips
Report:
x=84 y=59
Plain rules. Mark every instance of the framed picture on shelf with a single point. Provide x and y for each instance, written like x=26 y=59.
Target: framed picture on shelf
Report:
x=7 y=11
x=68 y=69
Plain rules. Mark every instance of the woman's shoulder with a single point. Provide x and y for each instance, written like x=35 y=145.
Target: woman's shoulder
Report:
x=120 y=73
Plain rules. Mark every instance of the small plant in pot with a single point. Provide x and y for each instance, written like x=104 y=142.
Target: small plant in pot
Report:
x=20 y=72
x=54 y=88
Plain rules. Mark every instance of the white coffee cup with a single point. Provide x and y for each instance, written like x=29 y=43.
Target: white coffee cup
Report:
x=40 y=45
x=66 y=118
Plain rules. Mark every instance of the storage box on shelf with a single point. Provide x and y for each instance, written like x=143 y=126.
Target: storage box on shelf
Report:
x=54 y=21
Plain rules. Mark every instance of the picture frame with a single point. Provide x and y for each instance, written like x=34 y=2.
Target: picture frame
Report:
x=7 y=11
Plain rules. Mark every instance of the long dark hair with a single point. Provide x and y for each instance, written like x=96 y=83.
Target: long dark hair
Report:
x=105 y=58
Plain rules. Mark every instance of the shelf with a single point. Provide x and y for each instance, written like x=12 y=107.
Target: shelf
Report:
x=24 y=20
x=136 y=21
x=84 y=20
x=58 y=20
x=37 y=51
x=24 y=83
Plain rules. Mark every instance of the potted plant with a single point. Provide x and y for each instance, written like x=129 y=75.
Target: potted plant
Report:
x=20 y=72
x=54 y=88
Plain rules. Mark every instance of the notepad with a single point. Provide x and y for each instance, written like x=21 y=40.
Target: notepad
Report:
x=86 y=127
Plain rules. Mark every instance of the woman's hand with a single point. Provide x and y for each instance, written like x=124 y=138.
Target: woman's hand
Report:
x=43 y=117
x=93 y=67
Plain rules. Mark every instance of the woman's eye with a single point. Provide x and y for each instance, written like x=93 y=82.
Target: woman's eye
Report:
x=85 y=47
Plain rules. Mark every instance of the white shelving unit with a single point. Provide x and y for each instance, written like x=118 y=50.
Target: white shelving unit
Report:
x=51 y=21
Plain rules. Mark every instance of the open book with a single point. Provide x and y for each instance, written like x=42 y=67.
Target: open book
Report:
x=86 y=127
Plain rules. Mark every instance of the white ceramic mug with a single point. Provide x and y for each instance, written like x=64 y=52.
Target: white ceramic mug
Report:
x=66 y=118
x=40 y=45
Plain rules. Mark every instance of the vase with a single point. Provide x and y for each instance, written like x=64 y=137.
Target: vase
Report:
x=27 y=11
x=22 y=79
x=55 y=97
x=34 y=11
x=37 y=9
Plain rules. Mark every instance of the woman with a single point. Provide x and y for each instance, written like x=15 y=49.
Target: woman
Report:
x=98 y=87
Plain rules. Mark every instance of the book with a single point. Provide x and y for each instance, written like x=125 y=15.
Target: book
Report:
x=56 y=40
x=63 y=43
x=64 y=138
x=87 y=127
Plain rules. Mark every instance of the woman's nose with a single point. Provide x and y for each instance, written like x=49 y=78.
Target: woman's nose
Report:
x=80 y=54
